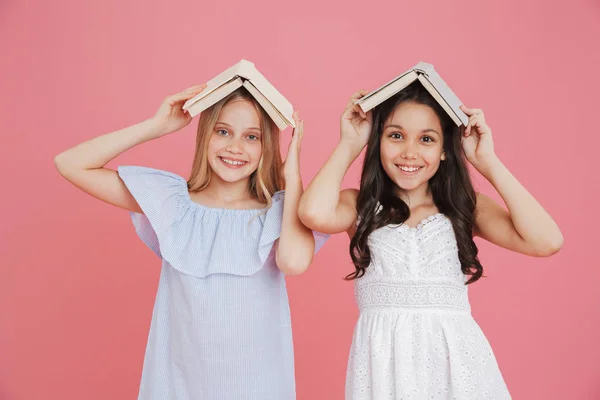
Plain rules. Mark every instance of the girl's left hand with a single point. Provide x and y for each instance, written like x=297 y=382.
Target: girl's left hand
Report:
x=477 y=141
x=291 y=167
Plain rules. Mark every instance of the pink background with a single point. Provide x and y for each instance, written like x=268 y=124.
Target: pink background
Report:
x=77 y=286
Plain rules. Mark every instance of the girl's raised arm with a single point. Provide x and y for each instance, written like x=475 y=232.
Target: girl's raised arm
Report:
x=83 y=165
x=323 y=206
x=525 y=227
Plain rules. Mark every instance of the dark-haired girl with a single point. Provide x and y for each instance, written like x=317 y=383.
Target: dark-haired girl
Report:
x=411 y=226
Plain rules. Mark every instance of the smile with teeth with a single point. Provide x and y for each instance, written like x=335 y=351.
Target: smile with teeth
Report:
x=408 y=169
x=232 y=162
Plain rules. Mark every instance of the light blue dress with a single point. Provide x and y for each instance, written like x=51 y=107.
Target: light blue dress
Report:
x=221 y=327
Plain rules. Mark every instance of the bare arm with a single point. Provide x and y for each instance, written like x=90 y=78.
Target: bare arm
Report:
x=324 y=206
x=525 y=227
x=296 y=244
x=84 y=164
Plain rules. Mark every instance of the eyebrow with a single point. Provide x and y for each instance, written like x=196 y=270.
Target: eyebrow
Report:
x=226 y=124
x=423 y=131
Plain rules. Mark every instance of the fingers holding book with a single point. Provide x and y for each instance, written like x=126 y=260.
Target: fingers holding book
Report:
x=477 y=142
x=355 y=123
x=181 y=97
x=355 y=96
x=170 y=116
x=476 y=120
x=291 y=167
x=298 y=131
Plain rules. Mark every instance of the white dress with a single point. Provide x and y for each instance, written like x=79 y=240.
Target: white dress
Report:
x=415 y=337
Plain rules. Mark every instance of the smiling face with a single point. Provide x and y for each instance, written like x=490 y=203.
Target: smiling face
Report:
x=234 y=148
x=411 y=145
x=237 y=142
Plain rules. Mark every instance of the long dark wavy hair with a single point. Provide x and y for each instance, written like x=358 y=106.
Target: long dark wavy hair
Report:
x=450 y=187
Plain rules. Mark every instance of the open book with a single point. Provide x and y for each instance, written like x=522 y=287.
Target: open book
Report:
x=245 y=74
x=430 y=79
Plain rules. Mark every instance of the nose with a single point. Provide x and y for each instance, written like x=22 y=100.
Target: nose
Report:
x=234 y=146
x=410 y=151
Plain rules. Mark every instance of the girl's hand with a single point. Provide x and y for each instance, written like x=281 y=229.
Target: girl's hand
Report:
x=477 y=141
x=291 y=167
x=355 y=124
x=170 y=116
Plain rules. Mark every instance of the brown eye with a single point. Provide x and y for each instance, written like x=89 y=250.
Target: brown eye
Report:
x=427 y=139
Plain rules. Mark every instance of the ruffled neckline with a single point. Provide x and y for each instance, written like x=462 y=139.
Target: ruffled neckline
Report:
x=223 y=210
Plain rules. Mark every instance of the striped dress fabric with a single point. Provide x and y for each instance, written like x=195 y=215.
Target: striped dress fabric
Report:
x=221 y=327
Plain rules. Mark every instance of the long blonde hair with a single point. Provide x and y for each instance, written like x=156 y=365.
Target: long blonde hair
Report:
x=267 y=179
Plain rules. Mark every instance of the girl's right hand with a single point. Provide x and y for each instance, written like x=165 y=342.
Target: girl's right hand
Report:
x=170 y=116
x=355 y=124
